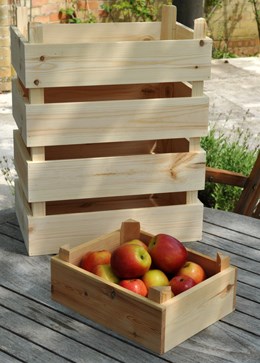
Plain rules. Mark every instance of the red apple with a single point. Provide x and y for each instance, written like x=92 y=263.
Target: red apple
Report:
x=168 y=254
x=94 y=258
x=137 y=242
x=106 y=273
x=130 y=261
x=155 y=278
x=181 y=283
x=192 y=270
x=135 y=285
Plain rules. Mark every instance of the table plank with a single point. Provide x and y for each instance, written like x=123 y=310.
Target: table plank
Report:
x=25 y=351
x=71 y=328
x=233 y=221
x=26 y=306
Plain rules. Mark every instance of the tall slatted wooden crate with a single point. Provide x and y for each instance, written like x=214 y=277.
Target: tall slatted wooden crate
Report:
x=109 y=123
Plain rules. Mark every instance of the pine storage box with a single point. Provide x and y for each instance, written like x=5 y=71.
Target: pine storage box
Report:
x=109 y=123
x=159 y=322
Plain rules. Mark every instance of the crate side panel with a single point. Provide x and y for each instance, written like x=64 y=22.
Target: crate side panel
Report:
x=18 y=52
x=23 y=212
x=51 y=65
x=115 y=176
x=200 y=307
x=47 y=234
x=21 y=158
x=18 y=108
x=100 y=32
x=136 y=319
x=111 y=121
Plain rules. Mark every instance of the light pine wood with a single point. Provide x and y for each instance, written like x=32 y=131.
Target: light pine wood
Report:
x=114 y=176
x=22 y=19
x=160 y=294
x=46 y=235
x=129 y=230
x=183 y=32
x=93 y=121
x=125 y=63
x=199 y=307
x=168 y=24
x=214 y=297
x=102 y=32
x=36 y=96
x=197 y=91
x=86 y=155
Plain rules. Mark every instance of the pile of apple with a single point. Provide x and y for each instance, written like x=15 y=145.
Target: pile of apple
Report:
x=137 y=266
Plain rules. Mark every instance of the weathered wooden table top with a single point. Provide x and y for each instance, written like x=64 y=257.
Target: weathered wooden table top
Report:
x=34 y=328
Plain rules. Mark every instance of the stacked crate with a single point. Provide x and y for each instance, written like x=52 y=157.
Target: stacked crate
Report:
x=109 y=123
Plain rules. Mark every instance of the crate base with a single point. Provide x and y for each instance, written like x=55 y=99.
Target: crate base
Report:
x=45 y=234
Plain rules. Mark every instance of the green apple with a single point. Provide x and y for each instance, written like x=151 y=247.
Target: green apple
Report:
x=106 y=273
x=155 y=277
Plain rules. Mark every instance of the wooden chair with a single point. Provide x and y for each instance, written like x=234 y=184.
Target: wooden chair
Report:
x=249 y=201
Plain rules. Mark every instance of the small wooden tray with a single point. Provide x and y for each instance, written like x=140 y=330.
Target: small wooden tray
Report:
x=159 y=322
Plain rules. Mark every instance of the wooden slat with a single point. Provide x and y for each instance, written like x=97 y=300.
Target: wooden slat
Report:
x=101 y=32
x=114 y=176
x=250 y=196
x=18 y=52
x=51 y=124
x=81 y=330
x=218 y=288
x=221 y=176
x=46 y=235
x=183 y=32
x=22 y=19
x=51 y=65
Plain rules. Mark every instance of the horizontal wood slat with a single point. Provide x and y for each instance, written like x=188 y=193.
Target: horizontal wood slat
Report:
x=110 y=121
x=57 y=65
x=47 y=234
x=109 y=176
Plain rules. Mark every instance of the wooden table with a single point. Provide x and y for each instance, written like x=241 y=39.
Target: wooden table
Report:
x=36 y=329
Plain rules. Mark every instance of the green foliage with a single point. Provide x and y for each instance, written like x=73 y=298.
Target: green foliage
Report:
x=219 y=53
x=232 y=152
x=7 y=167
x=138 y=10
x=73 y=15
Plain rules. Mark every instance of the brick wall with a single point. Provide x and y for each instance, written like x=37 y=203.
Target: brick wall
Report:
x=5 y=69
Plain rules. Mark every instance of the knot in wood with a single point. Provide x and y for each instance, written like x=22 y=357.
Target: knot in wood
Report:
x=42 y=58
x=113 y=294
x=202 y=43
x=36 y=82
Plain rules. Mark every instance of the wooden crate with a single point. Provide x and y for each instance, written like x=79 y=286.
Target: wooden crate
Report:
x=159 y=322
x=109 y=121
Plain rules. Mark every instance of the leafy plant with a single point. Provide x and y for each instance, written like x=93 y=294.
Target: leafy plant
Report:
x=7 y=169
x=232 y=152
x=138 y=10
x=74 y=13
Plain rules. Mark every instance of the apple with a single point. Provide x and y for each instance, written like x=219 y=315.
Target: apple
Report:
x=137 y=242
x=129 y=261
x=94 y=258
x=168 y=254
x=192 y=270
x=155 y=277
x=105 y=272
x=135 y=285
x=181 y=283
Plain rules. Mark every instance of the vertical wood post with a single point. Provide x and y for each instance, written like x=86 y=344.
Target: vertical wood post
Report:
x=197 y=90
x=37 y=96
